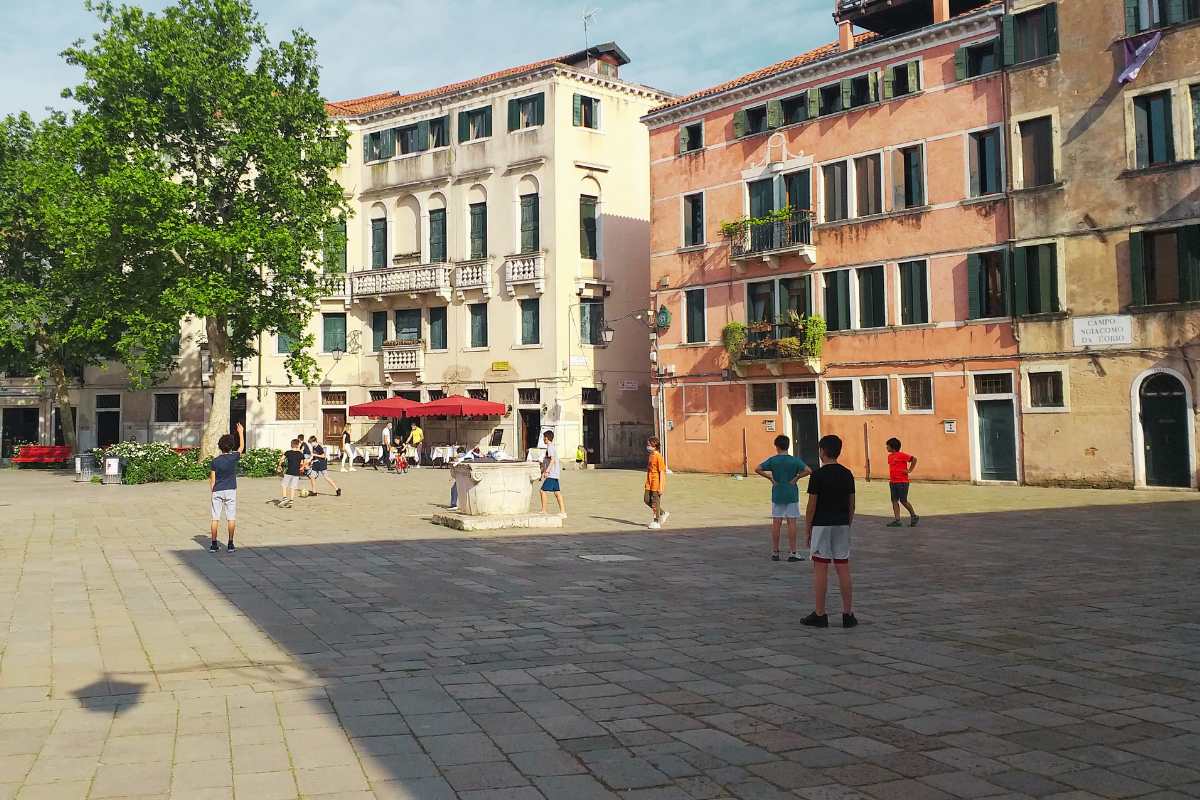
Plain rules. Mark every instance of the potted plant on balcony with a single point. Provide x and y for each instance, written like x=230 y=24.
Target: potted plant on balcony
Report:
x=733 y=337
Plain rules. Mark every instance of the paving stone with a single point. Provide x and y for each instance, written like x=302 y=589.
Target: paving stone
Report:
x=723 y=746
x=462 y=748
x=1106 y=783
x=573 y=787
x=491 y=775
x=627 y=773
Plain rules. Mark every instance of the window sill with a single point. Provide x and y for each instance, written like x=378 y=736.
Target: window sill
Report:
x=691 y=152
x=987 y=320
x=928 y=412
x=859 y=412
x=762 y=413
x=587 y=129
x=475 y=349
x=972 y=78
x=440 y=350
x=480 y=140
x=994 y=197
x=1057 y=186
x=1165 y=29
x=1137 y=172
x=537 y=346
x=1159 y=308
x=1046 y=410
x=528 y=128
x=1033 y=62
x=1044 y=316
x=882 y=215
x=692 y=248
x=696 y=345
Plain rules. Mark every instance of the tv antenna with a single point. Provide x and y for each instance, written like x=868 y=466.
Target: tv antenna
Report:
x=589 y=19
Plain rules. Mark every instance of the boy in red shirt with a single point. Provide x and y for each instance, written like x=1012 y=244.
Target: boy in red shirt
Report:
x=900 y=465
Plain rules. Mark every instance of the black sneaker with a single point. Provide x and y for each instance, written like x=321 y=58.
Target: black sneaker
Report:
x=214 y=547
x=815 y=620
x=230 y=547
x=774 y=556
x=339 y=492
x=849 y=620
x=915 y=519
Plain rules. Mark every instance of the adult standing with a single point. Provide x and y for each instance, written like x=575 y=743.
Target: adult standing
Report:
x=348 y=451
x=386 y=440
x=416 y=437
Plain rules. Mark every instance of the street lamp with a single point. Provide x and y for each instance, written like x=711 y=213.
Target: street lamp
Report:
x=607 y=334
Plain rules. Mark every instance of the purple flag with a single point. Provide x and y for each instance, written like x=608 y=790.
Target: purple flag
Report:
x=1138 y=50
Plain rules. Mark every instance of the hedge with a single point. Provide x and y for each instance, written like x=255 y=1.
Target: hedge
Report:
x=156 y=462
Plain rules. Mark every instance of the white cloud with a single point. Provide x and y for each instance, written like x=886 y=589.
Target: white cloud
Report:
x=368 y=46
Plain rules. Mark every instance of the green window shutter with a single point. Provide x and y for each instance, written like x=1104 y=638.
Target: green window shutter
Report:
x=478 y=230
x=423 y=135
x=487 y=121
x=889 y=84
x=814 y=103
x=774 y=114
x=1048 y=278
x=1189 y=262
x=975 y=279
x=1020 y=272
x=806 y=294
x=914 y=76
x=514 y=115
x=916 y=175
x=844 y=299
x=847 y=93
x=1050 y=18
x=685 y=139
x=577 y=110
x=464 y=126
x=378 y=330
x=539 y=109
x=688 y=232
x=1174 y=11
x=1131 y=17
x=899 y=176
x=919 y=281
x=1009 y=40
x=873 y=87
x=366 y=147
x=587 y=226
x=530 y=234
x=334 y=333
x=1141 y=132
x=740 y=123
x=1137 y=268
x=960 y=64
x=437 y=235
x=1006 y=282
x=906 y=293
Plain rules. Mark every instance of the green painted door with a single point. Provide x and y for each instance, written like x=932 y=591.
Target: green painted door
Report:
x=997 y=440
x=805 y=433
x=1164 y=431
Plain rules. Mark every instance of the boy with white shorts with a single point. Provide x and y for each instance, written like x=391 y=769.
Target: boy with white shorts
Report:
x=784 y=471
x=827 y=528
x=292 y=463
x=222 y=486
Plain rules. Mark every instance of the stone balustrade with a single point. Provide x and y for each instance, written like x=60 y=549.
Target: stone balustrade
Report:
x=529 y=268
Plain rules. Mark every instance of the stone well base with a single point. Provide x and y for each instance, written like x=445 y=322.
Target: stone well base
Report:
x=495 y=522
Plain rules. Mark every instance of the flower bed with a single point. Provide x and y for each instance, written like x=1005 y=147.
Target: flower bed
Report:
x=155 y=462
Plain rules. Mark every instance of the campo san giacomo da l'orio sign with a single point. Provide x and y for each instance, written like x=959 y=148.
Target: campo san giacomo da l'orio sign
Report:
x=1106 y=331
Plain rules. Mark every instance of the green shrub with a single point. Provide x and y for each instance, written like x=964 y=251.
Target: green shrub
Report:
x=156 y=462
x=733 y=336
x=262 y=462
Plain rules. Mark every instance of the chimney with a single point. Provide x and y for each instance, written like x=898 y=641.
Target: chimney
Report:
x=941 y=11
x=846 y=35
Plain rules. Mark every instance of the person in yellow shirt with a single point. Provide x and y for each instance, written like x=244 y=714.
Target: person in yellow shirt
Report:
x=656 y=480
x=415 y=437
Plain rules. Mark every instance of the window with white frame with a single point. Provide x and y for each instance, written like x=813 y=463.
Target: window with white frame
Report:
x=908 y=177
x=1046 y=390
x=802 y=390
x=917 y=393
x=691 y=137
x=693 y=220
x=993 y=383
x=914 y=292
x=985 y=171
x=840 y=395
x=1153 y=129
x=1035 y=140
x=763 y=398
x=874 y=394
x=872 y=297
x=694 y=318
x=1144 y=15
x=868 y=185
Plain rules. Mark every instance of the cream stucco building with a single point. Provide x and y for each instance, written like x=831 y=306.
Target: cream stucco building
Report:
x=499 y=237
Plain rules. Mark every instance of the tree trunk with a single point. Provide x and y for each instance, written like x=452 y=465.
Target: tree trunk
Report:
x=222 y=384
x=62 y=399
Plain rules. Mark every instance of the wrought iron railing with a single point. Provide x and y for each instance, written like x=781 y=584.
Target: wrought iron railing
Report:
x=764 y=237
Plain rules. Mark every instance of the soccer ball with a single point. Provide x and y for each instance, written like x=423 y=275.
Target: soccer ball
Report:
x=304 y=492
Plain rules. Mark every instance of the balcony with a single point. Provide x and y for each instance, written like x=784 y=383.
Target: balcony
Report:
x=525 y=269
x=403 y=357
x=772 y=238
x=334 y=286
x=475 y=274
x=415 y=280
x=206 y=376
x=796 y=343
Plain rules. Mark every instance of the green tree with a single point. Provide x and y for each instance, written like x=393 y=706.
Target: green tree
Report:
x=199 y=97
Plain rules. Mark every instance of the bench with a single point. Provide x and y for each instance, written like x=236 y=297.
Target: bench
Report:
x=42 y=454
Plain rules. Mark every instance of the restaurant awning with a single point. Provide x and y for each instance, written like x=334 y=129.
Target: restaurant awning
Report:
x=458 y=406
x=387 y=408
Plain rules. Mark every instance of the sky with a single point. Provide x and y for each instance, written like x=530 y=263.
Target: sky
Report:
x=369 y=46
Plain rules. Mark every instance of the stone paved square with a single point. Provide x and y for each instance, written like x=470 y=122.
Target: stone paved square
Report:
x=1019 y=643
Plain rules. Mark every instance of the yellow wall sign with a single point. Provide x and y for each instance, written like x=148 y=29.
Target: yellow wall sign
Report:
x=500 y=366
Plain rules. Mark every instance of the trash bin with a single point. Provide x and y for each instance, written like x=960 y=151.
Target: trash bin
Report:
x=85 y=467
x=114 y=469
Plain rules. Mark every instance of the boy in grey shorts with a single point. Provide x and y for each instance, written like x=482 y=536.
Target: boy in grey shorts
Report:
x=827 y=528
x=222 y=486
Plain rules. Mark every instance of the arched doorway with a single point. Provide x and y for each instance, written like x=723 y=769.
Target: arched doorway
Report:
x=1163 y=411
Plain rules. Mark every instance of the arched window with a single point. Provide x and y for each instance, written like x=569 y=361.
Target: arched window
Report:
x=408 y=228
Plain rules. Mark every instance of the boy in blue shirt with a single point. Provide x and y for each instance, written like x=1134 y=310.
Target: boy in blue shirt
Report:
x=784 y=471
x=222 y=485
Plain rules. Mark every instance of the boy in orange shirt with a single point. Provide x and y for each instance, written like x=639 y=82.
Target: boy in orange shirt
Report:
x=900 y=465
x=656 y=478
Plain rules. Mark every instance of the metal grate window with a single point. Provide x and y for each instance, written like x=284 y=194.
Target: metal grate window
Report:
x=287 y=406
x=918 y=394
x=875 y=394
x=841 y=395
x=436 y=394
x=378 y=394
x=993 y=384
x=802 y=390
x=1046 y=389
x=591 y=396
x=166 y=408
x=529 y=397
x=333 y=398
x=477 y=394
x=764 y=397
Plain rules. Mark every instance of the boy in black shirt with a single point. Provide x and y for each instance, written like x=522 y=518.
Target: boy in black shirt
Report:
x=319 y=466
x=291 y=462
x=827 y=529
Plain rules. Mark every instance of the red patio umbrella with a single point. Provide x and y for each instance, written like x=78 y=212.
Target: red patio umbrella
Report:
x=458 y=406
x=386 y=408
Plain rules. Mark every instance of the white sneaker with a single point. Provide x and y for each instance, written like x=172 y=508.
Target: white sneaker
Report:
x=353 y=469
x=666 y=515
x=654 y=526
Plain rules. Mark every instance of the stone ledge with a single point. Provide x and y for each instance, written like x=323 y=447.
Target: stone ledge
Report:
x=496 y=522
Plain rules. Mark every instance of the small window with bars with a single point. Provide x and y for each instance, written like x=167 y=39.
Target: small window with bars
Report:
x=591 y=396
x=378 y=394
x=287 y=406
x=764 y=398
x=529 y=397
x=166 y=407
x=918 y=394
x=875 y=394
x=333 y=398
x=841 y=395
x=477 y=394
x=1046 y=389
x=802 y=390
x=436 y=394
x=995 y=383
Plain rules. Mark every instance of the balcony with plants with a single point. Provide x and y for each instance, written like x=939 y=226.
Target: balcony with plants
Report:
x=796 y=340
x=783 y=232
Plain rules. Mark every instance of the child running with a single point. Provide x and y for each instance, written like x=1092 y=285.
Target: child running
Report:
x=291 y=462
x=784 y=471
x=222 y=484
x=319 y=468
x=552 y=474
x=900 y=466
x=827 y=531
x=656 y=481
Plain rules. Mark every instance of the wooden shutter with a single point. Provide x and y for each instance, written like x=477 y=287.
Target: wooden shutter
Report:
x=1141 y=132
x=915 y=162
x=1188 y=240
x=366 y=147
x=577 y=110
x=973 y=163
x=1131 y=17
x=423 y=135
x=387 y=143
x=539 y=109
x=687 y=221
x=530 y=235
x=898 y=178
x=889 y=81
x=478 y=230
x=1137 y=268
x=685 y=139
x=1009 y=39
x=975 y=282
x=1006 y=285
x=847 y=87
x=514 y=115
x=873 y=87
x=960 y=63
x=487 y=121
x=913 y=306
x=814 y=103
x=1050 y=19
x=1047 y=278
x=740 y=123
x=914 y=76
x=843 y=289
x=1020 y=261
x=774 y=114
x=587 y=226
x=464 y=126
x=1175 y=13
